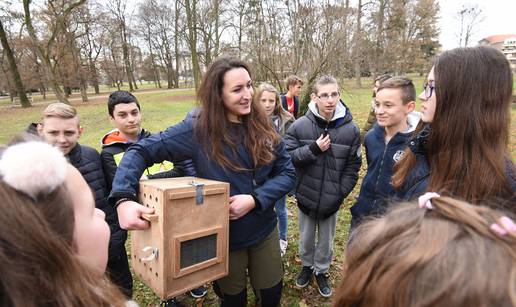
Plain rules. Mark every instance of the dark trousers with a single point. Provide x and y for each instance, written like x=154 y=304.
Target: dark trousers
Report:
x=118 y=271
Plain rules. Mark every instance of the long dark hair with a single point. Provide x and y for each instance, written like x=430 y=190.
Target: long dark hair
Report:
x=38 y=263
x=212 y=125
x=468 y=141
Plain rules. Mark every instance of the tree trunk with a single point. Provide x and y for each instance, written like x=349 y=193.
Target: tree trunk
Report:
x=24 y=101
x=191 y=10
x=126 y=57
x=380 y=31
x=176 y=44
x=45 y=60
x=357 y=57
x=94 y=77
x=216 y=30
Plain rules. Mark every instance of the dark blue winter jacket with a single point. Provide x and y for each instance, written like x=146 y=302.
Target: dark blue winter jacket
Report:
x=266 y=183
x=418 y=178
x=376 y=190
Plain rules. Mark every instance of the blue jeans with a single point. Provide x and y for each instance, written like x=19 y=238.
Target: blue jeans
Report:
x=281 y=210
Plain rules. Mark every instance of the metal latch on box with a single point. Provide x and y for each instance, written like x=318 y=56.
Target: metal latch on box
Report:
x=199 y=192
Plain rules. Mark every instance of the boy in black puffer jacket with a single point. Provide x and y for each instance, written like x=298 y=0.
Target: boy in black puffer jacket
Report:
x=325 y=149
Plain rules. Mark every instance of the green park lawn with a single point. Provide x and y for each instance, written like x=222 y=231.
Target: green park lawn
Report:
x=166 y=107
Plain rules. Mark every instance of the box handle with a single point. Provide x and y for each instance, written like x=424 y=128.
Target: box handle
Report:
x=150 y=217
x=154 y=253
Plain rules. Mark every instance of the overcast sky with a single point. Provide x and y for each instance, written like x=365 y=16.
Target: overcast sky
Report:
x=500 y=18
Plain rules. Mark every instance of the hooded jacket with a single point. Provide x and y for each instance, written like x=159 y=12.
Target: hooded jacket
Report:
x=265 y=183
x=114 y=147
x=376 y=189
x=324 y=178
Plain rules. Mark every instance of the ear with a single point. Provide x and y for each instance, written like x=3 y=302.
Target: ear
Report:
x=111 y=119
x=313 y=96
x=39 y=127
x=411 y=106
x=80 y=131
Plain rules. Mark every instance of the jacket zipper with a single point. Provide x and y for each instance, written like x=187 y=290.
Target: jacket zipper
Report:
x=379 y=173
x=323 y=174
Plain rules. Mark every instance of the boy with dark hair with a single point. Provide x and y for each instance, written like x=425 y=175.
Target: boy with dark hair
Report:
x=125 y=114
x=385 y=144
x=290 y=101
x=60 y=127
x=325 y=148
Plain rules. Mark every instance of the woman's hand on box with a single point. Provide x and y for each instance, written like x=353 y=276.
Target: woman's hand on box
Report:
x=240 y=205
x=129 y=215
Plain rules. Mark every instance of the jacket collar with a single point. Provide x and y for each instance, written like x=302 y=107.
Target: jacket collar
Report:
x=114 y=137
x=418 y=144
x=412 y=121
x=340 y=117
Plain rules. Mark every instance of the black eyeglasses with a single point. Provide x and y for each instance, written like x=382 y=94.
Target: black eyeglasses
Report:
x=325 y=96
x=428 y=89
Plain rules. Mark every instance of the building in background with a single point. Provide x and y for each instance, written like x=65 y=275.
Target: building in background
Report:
x=505 y=43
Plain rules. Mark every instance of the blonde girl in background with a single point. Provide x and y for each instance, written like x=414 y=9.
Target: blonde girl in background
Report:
x=268 y=97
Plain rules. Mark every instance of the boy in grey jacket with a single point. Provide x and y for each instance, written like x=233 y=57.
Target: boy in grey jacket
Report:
x=325 y=149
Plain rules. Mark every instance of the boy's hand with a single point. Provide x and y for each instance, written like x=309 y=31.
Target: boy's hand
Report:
x=129 y=215
x=323 y=142
x=240 y=205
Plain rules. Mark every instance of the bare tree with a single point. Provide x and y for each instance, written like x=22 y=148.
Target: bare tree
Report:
x=24 y=101
x=357 y=54
x=44 y=50
x=191 y=25
x=469 y=16
x=118 y=9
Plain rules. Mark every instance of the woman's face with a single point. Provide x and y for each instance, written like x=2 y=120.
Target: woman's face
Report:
x=91 y=232
x=428 y=99
x=237 y=93
x=268 y=102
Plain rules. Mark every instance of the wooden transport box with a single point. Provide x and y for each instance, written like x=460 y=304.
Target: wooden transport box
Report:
x=187 y=243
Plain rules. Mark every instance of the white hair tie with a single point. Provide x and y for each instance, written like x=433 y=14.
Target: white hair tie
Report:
x=424 y=200
x=33 y=168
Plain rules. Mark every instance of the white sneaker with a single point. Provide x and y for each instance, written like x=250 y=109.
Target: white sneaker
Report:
x=283 y=247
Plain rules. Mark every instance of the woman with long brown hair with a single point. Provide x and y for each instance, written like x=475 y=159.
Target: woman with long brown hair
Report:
x=461 y=146
x=53 y=242
x=444 y=252
x=229 y=138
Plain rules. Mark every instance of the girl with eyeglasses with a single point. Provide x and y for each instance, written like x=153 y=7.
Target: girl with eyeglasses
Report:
x=460 y=148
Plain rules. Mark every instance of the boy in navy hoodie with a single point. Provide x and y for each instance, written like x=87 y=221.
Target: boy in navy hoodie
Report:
x=385 y=144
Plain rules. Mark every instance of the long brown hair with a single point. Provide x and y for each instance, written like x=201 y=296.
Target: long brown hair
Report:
x=468 y=141
x=38 y=264
x=447 y=256
x=211 y=128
